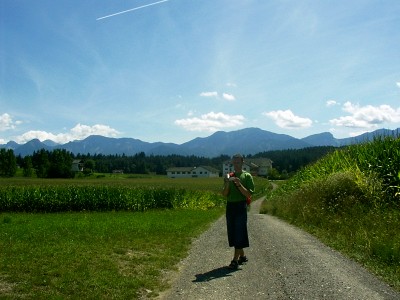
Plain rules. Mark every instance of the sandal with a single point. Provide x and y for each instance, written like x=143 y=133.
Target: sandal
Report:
x=242 y=260
x=234 y=265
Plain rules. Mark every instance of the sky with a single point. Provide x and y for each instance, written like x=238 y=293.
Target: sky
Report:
x=173 y=70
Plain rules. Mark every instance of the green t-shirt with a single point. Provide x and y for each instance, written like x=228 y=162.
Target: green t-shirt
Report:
x=247 y=181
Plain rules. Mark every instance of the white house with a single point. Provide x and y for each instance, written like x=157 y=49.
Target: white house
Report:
x=255 y=166
x=192 y=172
x=227 y=167
x=77 y=165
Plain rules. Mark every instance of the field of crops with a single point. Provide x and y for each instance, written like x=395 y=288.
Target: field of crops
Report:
x=110 y=192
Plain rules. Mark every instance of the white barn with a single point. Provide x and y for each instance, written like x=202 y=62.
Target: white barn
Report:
x=192 y=172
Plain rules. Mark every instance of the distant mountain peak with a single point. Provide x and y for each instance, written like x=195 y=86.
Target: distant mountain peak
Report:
x=246 y=141
x=322 y=139
x=50 y=143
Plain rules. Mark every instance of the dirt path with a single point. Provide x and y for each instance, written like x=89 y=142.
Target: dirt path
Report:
x=284 y=263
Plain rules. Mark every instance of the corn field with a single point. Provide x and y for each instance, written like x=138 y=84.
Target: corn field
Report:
x=375 y=164
x=102 y=198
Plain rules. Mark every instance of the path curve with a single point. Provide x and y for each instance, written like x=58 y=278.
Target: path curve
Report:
x=284 y=263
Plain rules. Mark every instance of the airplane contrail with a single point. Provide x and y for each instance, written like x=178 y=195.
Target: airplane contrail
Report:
x=125 y=11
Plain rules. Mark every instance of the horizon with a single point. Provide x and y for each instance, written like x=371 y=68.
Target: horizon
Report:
x=58 y=144
x=171 y=71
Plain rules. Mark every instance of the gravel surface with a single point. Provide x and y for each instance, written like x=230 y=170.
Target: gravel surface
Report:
x=284 y=263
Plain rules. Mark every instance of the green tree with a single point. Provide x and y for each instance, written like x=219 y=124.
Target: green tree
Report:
x=27 y=166
x=41 y=163
x=60 y=164
x=8 y=163
x=89 y=166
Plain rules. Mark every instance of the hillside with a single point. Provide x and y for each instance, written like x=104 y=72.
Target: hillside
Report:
x=246 y=141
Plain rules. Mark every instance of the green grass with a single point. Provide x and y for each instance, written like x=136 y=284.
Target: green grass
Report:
x=101 y=255
x=116 y=254
x=350 y=200
x=110 y=255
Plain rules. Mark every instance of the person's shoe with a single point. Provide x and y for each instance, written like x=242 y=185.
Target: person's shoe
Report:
x=242 y=259
x=234 y=265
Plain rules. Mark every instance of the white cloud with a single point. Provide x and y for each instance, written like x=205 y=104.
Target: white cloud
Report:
x=6 y=122
x=330 y=103
x=83 y=131
x=228 y=97
x=225 y=96
x=79 y=132
x=286 y=119
x=209 y=94
x=210 y=122
x=367 y=116
x=398 y=84
x=357 y=133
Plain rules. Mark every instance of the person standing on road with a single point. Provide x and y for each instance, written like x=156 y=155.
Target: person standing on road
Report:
x=238 y=187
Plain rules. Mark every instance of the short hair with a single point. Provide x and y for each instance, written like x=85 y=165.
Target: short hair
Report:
x=238 y=155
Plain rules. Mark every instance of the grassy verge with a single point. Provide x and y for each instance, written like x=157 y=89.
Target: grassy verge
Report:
x=351 y=201
x=110 y=255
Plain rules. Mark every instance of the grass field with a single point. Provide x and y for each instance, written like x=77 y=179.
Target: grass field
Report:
x=112 y=255
x=100 y=255
x=198 y=184
x=120 y=179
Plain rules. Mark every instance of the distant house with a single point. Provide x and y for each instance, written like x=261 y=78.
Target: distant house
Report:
x=227 y=167
x=255 y=166
x=118 y=171
x=192 y=172
x=77 y=165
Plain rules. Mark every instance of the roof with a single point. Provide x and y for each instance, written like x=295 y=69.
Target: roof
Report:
x=253 y=161
x=210 y=169
x=180 y=169
x=190 y=169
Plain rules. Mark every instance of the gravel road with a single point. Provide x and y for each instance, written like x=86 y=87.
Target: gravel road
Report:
x=284 y=263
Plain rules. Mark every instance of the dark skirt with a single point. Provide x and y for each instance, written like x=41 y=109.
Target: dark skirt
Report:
x=236 y=223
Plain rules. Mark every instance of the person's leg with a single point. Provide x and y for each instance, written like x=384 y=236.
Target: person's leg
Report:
x=238 y=253
x=242 y=236
x=236 y=218
x=230 y=225
x=235 y=261
x=238 y=258
x=242 y=258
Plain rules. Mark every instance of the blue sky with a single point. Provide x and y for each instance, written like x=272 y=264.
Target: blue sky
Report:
x=175 y=70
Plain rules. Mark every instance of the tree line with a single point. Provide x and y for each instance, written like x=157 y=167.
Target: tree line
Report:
x=291 y=160
x=58 y=163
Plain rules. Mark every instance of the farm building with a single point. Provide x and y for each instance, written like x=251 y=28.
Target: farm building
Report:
x=255 y=166
x=192 y=172
x=77 y=165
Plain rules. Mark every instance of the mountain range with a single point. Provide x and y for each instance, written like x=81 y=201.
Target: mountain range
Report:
x=245 y=141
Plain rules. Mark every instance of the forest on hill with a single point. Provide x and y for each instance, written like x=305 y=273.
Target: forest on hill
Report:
x=57 y=163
